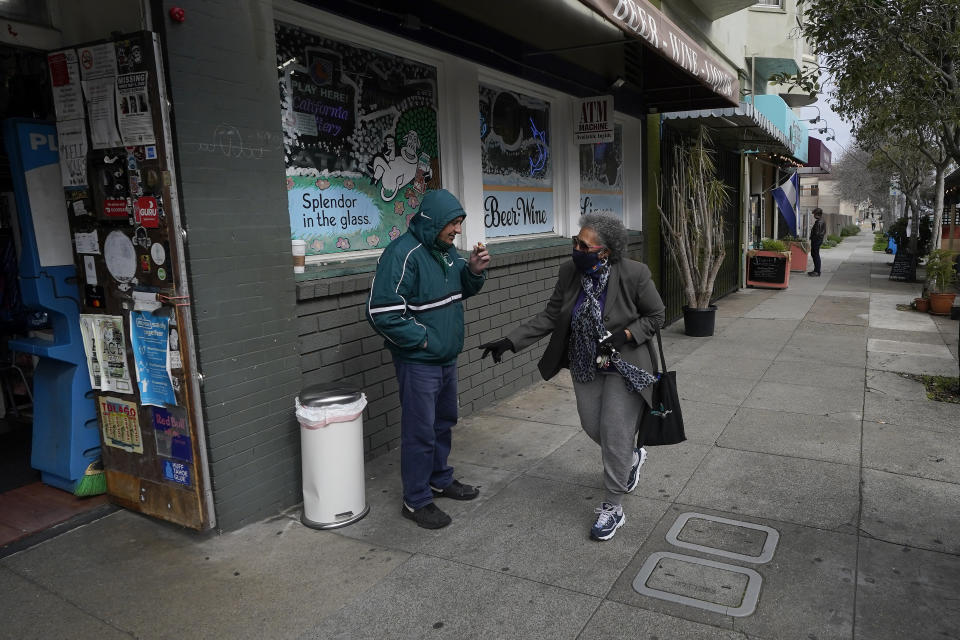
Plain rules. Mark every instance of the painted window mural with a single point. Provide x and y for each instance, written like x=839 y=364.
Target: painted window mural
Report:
x=360 y=140
x=601 y=176
x=517 y=167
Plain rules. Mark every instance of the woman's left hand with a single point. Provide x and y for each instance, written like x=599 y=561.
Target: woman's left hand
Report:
x=615 y=341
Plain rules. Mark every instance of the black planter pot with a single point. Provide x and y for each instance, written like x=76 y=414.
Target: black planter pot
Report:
x=699 y=322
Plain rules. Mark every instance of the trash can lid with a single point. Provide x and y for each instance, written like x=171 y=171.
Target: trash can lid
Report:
x=321 y=395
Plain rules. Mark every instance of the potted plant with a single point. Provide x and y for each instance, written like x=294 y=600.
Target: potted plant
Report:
x=799 y=251
x=941 y=276
x=769 y=267
x=691 y=209
x=921 y=304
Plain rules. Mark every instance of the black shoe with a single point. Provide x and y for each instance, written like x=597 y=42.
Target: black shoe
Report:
x=457 y=491
x=428 y=516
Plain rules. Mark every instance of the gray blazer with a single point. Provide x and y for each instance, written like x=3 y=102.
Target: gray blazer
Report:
x=632 y=303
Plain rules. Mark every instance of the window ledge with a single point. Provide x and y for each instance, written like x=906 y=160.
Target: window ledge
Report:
x=322 y=280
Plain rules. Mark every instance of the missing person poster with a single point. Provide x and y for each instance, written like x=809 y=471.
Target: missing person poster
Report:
x=148 y=335
x=133 y=109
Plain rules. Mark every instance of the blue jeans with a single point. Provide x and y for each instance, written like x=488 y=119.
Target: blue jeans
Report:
x=428 y=405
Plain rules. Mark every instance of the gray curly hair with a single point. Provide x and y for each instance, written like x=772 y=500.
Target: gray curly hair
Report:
x=610 y=231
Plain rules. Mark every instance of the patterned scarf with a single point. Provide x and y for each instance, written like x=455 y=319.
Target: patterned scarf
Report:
x=587 y=329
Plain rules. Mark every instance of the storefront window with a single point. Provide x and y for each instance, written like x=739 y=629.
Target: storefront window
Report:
x=517 y=167
x=360 y=140
x=601 y=176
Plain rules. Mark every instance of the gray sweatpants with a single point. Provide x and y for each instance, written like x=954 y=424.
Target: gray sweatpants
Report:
x=608 y=413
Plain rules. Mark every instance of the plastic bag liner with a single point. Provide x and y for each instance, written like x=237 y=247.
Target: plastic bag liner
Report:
x=317 y=417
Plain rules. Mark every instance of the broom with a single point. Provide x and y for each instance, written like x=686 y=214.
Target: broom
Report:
x=93 y=482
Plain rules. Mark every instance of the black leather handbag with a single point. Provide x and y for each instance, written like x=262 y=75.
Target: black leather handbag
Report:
x=662 y=423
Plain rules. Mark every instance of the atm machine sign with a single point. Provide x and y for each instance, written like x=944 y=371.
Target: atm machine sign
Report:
x=146 y=212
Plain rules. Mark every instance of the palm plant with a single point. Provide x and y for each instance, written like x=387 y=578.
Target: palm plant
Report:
x=693 y=218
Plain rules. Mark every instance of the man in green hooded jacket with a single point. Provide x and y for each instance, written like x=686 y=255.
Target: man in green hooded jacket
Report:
x=416 y=304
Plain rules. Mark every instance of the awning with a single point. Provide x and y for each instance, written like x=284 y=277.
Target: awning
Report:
x=644 y=22
x=742 y=127
x=818 y=158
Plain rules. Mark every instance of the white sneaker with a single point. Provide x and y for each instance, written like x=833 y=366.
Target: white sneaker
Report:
x=609 y=519
x=639 y=457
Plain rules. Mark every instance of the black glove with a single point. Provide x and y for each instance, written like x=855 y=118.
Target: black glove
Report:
x=497 y=348
x=614 y=341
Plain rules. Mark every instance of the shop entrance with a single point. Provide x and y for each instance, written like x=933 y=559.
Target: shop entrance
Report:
x=27 y=504
x=96 y=358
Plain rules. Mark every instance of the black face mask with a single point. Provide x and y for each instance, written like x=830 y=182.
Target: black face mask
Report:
x=587 y=262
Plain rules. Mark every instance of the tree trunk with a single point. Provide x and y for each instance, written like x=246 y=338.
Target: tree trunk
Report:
x=938 y=207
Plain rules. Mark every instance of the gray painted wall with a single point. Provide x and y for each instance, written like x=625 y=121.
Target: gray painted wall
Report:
x=226 y=112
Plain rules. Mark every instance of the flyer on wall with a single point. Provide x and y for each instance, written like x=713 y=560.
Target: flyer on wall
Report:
x=65 y=83
x=133 y=107
x=102 y=112
x=72 y=140
x=120 y=424
x=89 y=332
x=148 y=337
x=112 y=355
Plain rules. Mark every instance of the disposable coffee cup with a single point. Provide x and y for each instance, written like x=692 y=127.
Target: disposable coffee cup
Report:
x=299 y=248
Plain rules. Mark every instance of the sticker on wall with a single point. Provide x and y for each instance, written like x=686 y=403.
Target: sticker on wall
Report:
x=86 y=243
x=146 y=213
x=144 y=263
x=112 y=354
x=78 y=201
x=161 y=273
x=115 y=208
x=90 y=270
x=174 y=343
x=172 y=433
x=148 y=337
x=120 y=424
x=158 y=253
x=150 y=152
x=93 y=296
x=177 y=472
x=120 y=256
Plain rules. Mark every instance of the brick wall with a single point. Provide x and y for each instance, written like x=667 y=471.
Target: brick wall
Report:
x=221 y=70
x=338 y=344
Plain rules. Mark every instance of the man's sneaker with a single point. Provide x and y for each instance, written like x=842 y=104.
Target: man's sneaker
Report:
x=457 y=491
x=639 y=457
x=428 y=516
x=609 y=519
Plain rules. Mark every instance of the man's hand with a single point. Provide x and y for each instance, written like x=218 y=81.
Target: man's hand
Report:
x=497 y=348
x=479 y=259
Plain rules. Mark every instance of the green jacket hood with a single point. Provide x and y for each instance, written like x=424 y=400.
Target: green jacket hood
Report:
x=437 y=209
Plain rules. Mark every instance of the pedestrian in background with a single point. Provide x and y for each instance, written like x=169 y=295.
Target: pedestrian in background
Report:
x=817 y=233
x=600 y=318
x=416 y=305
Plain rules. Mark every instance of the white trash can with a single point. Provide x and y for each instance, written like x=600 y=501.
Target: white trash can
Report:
x=331 y=447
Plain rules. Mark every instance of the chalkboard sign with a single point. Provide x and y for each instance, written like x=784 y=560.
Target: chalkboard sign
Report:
x=904 y=267
x=768 y=268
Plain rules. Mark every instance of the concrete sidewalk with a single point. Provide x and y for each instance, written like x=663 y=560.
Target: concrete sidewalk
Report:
x=821 y=482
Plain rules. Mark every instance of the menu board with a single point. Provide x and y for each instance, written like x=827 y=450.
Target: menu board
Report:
x=767 y=268
x=360 y=140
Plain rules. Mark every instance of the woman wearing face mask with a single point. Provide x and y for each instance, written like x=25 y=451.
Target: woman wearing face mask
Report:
x=601 y=316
